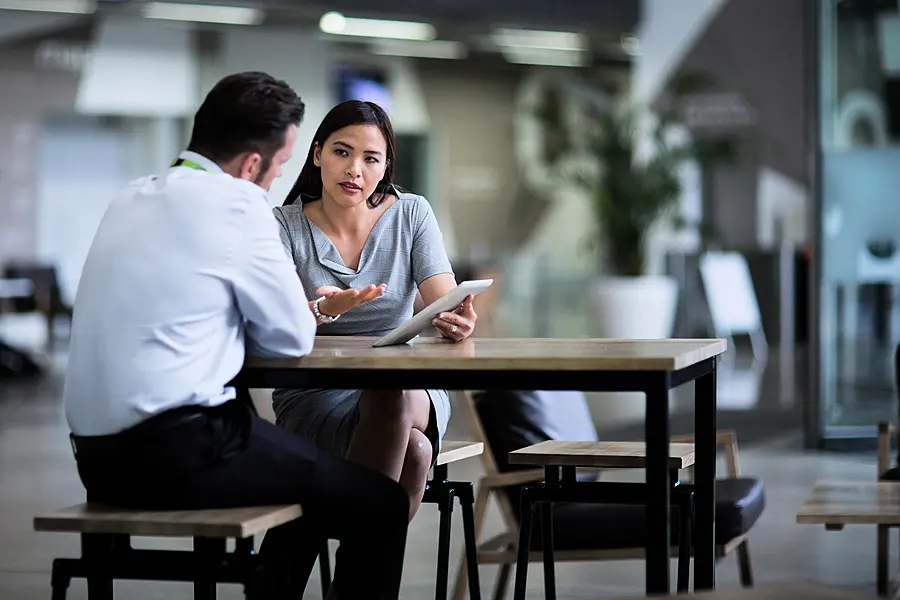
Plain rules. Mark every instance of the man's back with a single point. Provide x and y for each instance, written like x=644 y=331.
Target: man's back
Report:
x=177 y=265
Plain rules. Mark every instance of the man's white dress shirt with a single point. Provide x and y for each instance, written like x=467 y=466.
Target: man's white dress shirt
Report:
x=183 y=268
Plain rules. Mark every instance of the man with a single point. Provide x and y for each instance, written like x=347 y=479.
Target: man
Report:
x=185 y=268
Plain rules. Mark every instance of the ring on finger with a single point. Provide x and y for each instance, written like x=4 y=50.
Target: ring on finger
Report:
x=455 y=328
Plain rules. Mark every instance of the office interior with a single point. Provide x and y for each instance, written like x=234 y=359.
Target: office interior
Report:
x=792 y=249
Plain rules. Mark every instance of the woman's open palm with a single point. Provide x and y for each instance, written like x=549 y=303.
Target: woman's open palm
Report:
x=338 y=301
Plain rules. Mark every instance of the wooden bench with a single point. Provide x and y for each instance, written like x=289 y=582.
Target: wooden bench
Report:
x=106 y=552
x=502 y=549
x=604 y=455
x=555 y=454
x=441 y=490
x=837 y=504
x=773 y=591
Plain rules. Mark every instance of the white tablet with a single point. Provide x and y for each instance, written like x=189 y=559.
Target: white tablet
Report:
x=422 y=320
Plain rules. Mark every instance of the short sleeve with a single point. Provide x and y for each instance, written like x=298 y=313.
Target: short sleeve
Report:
x=284 y=232
x=428 y=256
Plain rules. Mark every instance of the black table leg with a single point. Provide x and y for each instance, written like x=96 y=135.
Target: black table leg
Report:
x=551 y=480
x=656 y=427
x=705 y=481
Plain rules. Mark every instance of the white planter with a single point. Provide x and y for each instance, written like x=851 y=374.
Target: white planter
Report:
x=630 y=308
x=635 y=307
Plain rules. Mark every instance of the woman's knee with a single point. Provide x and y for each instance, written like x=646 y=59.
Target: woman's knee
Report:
x=409 y=408
x=419 y=454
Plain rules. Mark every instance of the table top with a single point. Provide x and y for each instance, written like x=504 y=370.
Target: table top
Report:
x=423 y=354
x=852 y=503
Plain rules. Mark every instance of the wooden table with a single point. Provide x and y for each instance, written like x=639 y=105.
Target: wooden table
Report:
x=650 y=366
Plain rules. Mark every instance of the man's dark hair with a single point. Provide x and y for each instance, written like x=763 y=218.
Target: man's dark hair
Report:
x=245 y=112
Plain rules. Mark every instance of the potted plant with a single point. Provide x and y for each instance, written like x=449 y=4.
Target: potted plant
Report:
x=632 y=180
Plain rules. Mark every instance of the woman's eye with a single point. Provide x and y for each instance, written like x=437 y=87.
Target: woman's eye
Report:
x=340 y=152
x=372 y=159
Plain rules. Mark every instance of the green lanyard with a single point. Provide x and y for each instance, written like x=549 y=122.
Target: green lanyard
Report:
x=183 y=162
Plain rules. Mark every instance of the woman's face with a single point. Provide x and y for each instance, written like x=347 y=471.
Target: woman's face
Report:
x=352 y=161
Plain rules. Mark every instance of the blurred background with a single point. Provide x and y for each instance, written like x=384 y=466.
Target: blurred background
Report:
x=623 y=168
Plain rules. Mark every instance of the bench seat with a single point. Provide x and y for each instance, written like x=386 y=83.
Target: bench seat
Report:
x=218 y=523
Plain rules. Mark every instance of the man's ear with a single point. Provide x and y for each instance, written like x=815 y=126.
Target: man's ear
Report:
x=250 y=166
x=317 y=155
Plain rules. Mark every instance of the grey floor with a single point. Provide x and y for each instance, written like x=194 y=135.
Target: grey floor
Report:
x=37 y=473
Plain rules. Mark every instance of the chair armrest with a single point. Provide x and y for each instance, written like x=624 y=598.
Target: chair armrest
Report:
x=514 y=478
x=724 y=437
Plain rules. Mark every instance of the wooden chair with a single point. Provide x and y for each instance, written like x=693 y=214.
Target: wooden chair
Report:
x=502 y=549
x=441 y=490
x=107 y=555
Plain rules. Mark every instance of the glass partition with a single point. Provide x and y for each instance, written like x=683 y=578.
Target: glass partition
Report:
x=859 y=164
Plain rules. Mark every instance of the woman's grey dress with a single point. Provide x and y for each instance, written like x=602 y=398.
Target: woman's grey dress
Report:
x=404 y=248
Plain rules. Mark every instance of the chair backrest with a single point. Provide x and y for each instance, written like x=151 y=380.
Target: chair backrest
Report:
x=531 y=420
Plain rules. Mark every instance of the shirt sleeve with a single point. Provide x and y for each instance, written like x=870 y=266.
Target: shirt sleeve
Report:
x=269 y=292
x=428 y=256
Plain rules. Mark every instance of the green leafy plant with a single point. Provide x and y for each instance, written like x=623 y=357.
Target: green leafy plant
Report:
x=630 y=192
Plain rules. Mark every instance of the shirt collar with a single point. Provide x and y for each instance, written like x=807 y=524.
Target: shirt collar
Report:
x=201 y=160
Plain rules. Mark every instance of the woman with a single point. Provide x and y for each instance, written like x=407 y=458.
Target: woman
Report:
x=363 y=249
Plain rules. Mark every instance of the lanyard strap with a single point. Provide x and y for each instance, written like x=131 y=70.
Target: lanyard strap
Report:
x=184 y=162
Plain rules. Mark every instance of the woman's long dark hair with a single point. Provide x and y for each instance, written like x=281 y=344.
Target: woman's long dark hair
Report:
x=352 y=112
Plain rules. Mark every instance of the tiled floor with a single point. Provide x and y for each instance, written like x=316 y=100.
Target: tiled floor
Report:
x=37 y=473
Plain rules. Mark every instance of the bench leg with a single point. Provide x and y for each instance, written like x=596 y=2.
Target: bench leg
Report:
x=209 y=550
x=445 y=506
x=59 y=580
x=325 y=567
x=97 y=547
x=255 y=586
x=465 y=491
x=686 y=526
x=527 y=520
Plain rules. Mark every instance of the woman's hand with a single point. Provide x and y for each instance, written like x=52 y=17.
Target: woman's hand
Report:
x=459 y=324
x=338 y=301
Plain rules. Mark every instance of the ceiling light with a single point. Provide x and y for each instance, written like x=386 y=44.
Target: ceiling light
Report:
x=548 y=58
x=337 y=24
x=546 y=40
x=202 y=13
x=80 y=7
x=434 y=49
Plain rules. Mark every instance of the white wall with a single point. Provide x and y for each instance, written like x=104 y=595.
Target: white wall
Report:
x=84 y=163
x=299 y=57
